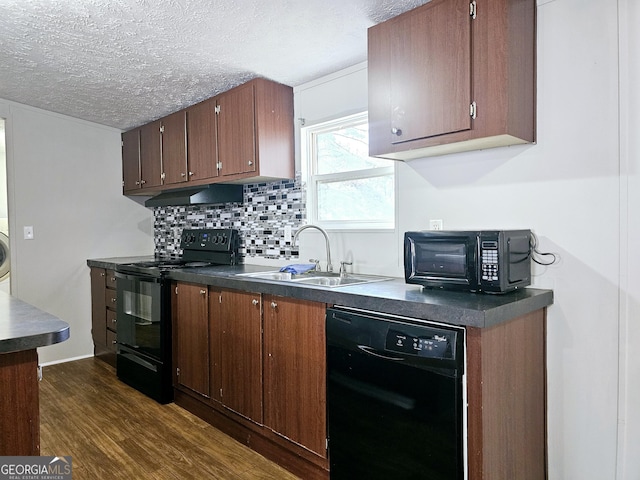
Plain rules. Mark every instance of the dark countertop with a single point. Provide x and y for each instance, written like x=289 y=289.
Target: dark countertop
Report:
x=392 y=296
x=25 y=327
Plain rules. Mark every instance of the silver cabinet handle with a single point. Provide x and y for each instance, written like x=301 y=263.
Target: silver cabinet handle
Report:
x=203 y=292
x=255 y=301
x=250 y=163
x=396 y=131
x=191 y=174
x=274 y=304
x=182 y=174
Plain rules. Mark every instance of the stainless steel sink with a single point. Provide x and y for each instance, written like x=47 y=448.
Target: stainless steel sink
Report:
x=269 y=275
x=324 y=279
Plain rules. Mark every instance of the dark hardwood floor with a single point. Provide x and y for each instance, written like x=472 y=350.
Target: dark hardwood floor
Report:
x=112 y=431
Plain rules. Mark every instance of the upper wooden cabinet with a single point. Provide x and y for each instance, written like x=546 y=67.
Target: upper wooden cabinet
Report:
x=150 y=155
x=173 y=130
x=255 y=132
x=449 y=77
x=202 y=153
x=131 y=160
x=236 y=131
x=142 y=159
x=244 y=134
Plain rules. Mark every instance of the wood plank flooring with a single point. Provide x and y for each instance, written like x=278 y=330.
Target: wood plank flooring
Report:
x=112 y=431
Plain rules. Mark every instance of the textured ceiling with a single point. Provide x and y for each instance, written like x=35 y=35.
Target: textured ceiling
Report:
x=123 y=63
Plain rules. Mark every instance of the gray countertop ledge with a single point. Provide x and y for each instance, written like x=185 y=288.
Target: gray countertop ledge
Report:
x=25 y=327
x=392 y=296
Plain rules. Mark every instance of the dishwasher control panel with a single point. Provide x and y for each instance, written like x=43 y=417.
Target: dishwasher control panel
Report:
x=438 y=344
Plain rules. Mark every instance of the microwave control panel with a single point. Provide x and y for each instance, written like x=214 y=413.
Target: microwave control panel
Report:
x=489 y=260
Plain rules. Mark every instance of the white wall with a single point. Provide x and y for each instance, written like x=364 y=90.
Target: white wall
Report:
x=64 y=179
x=568 y=189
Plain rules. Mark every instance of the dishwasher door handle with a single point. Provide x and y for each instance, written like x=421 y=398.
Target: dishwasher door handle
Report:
x=371 y=351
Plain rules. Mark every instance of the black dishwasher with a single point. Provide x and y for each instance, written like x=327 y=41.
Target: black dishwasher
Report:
x=395 y=397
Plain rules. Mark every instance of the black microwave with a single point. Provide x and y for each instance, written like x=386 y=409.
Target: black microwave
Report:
x=491 y=261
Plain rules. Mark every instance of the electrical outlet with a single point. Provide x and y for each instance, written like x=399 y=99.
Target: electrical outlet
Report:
x=435 y=224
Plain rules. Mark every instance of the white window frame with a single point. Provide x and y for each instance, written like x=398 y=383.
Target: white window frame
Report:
x=313 y=180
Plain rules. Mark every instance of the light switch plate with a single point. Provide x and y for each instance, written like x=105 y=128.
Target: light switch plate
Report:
x=28 y=233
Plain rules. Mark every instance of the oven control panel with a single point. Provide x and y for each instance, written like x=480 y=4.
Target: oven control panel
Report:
x=210 y=239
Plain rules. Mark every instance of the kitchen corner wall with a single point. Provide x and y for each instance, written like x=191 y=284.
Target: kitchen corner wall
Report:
x=261 y=218
x=64 y=179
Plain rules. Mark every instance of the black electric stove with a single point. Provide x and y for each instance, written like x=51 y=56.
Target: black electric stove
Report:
x=200 y=248
x=143 y=358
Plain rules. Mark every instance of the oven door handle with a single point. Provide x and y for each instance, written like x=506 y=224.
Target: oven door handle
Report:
x=371 y=351
x=130 y=355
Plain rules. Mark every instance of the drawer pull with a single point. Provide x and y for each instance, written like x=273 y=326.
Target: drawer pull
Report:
x=274 y=304
x=255 y=302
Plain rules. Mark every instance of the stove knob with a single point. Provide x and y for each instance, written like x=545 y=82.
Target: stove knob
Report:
x=221 y=239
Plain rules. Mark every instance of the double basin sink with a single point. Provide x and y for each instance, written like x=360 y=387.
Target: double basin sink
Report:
x=323 y=279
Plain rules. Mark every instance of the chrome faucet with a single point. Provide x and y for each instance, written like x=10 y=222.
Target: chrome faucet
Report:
x=326 y=239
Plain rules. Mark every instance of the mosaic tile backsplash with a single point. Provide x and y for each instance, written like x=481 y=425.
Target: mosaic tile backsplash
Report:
x=260 y=220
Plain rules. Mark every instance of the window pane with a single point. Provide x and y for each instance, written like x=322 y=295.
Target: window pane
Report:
x=345 y=149
x=366 y=199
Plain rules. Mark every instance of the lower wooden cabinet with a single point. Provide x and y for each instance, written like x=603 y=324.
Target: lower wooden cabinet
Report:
x=103 y=314
x=190 y=309
x=295 y=371
x=240 y=353
x=253 y=366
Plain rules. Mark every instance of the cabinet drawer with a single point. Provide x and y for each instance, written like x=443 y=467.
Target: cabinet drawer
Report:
x=112 y=321
x=111 y=341
x=110 y=298
x=111 y=279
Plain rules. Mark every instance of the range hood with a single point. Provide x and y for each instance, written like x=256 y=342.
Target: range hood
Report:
x=203 y=195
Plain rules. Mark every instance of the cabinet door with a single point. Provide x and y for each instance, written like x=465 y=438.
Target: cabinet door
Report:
x=241 y=353
x=420 y=75
x=430 y=72
x=131 y=160
x=201 y=141
x=150 y=155
x=236 y=131
x=295 y=371
x=174 y=148
x=191 y=332
x=98 y=307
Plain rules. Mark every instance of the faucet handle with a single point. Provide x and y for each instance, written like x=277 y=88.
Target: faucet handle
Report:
x=343 y=271
x=317 y=262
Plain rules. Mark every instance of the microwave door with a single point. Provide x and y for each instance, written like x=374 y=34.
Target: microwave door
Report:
x=443 y=260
